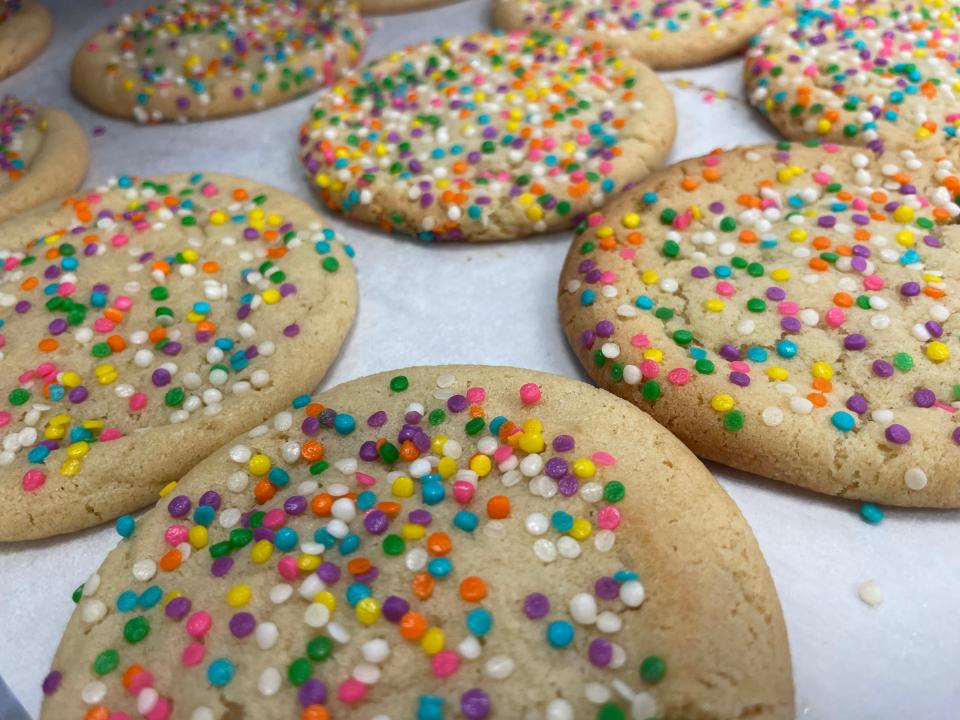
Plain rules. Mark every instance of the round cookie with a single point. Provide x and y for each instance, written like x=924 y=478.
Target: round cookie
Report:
x=877 y=74
x=665 y=34
x=43 y=155
x=787 y=310
x=390 y=7
x=486 y=137
x=25 y=29
x=145 y=323
x=196 y=60
x=462 y=541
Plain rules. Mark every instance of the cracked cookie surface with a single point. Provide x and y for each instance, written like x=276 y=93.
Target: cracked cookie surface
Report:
x=461 y=541
x=144 y=323
x=787 y=310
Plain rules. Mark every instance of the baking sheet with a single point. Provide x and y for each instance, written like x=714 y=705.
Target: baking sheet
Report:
x=851 y=662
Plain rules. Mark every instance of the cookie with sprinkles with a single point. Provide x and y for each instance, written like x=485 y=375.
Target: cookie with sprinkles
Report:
x=25 y=29
x=788 y=310
x=662 y=33
x=874 y=74
x=389 y=7
x=143 y=324
x=43 y=155
x=182 y=60
x=438 y=542
x=486 y=137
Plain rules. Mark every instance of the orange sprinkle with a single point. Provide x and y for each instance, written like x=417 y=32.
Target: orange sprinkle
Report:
x=171 y=560
x=422 y=585
x=315 y=712
x=321 y=504
x=439 y=543
x=822 y=385
x=358 y=566
x=817 y=399
x=130 y=673
x=843 y=299
x=473 y=589
x=311 y=450
x=48 y=345
x=97 y=712
x=498 y=507
x=413 y=625
x=264 y=491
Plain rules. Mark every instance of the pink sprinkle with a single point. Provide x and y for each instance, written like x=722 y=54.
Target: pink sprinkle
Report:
x=502 y=453
x=138 y=401
x=365 y=480
x=640 y=340
x=445 y=663
x=287 y=567
x=831 y=147
x=608 y=277
x=123 y=302
x=176 y=534
x=604 y=458
x=65 y=289
x=110 y=433
x=119 y=715
x=678 y=376
x=788 y=308
x=26 y=377
x=711 y=160
x=351 y=690
x=476 y=395
x=821 y=177
x=10 y=263
x=4 y=418
x=859 y=204
x=463 y=491
x=32 y=479
x=740 y=366
x=608 y=518
x=725 y=289
x=274 y=518
x=628 y=253
x=944 y=406
x=192 y=654
x=649 y=369
x=161 y=711
x=873 y=282
x=683 y=221
x=199 y=624
x=46 y=369
x=209 y=189
x=835 y=317
x=595 y=219
x=103 y=325
x=141 y=680
x=119 y=240
x=530 y=393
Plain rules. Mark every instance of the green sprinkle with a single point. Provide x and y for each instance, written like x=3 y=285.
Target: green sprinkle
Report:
x=389 y=452
x=653 y=668
x=610 y=712
x=704 y=366
x=436 y=417
x=474 y=426
x=614 y=491
x=399 y=383
x=671 y=248
x=320 y=648
x=331 y=264
x=19 y=396
x=733 y=420
x=393 y=545
x=683 y=337
x=650 y=390
x=106 y=662
x=300 y=671
x=136 y=629
x=903 y=361
x=174 y=397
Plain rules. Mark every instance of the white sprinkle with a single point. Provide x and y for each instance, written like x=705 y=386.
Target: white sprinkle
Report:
x=870 y=593
x=499 y=667
x=583 y=608
x=632 y=593
x=144 y=570
x=269 y=682
x=915 y=478
x=266 y=635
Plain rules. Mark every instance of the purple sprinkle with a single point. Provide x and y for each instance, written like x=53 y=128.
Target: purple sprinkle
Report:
x=568 y=485
x=856 y=341
x=394 y=608
x=776 y=294
x=556 y=467
x=51 y=682
x=604 y=328
x=536 y=605
x=179 y=506
x=378 y=419
x=600 y=652
x=420 y=517
x=956 y=435
x=177 y=608
x=457 y=403
x=563 y=443
x=897 y=434
x=242 y=624
x=883 y=369
x=475 y=704
x=376 y=522
x=160 y=377
x=606 y=588
x=312 y=692
x=295 y=505
x=211 y=498
x=740 y=379
x=328 y=572
x=221 y=566
x=857 y=404
x=924 y=398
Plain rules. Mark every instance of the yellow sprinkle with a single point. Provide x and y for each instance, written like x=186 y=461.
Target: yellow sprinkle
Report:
x=69 y=468
x=308 y=563
x=714 y=305
x=327 y=599
x=198 y=536
x=778 y=374
x=631 y=221
x=239 y=595
x=584 y=468
x=581 y=529
x=780 y=274
x=368 y=611
x=938 y=351
x=432 y=641
x=722 y=402
x=261 y=551
x=271 y=296
x=532 y=442
x=402 y=487
x=481 y=464
x=412 y=531
x=259 y=465
x=446 y=467
x=822 y=370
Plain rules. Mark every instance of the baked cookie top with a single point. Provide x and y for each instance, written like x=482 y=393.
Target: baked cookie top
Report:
x=25 y=29
x=785 y=309
x=9 y=8
x=486 y=137
x=144 y=323
x=436 y=542
x=187 y=60
x=665 y=34
x=881 y=74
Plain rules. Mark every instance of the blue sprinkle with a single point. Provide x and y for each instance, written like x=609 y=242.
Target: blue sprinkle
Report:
x=560 y=633
x=150 y=597
x=285 y=539
x=344 y=423
x=357 y=592
x=126 y=525
x=466 y=521
x=871 y=513
x=479 y=622
x=220 y=672
x=127 y=601
x=843 y=421
x=439 y=567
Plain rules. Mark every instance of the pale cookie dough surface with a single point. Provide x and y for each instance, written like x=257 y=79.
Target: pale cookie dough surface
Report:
x=389 y=7
x=486 y=137
x=146 y=322
x=876 y=74
x=183 y=60
x=428 y=544
x=43 y=155
x=670 y=34
x=787 y=310
x=25 y=29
